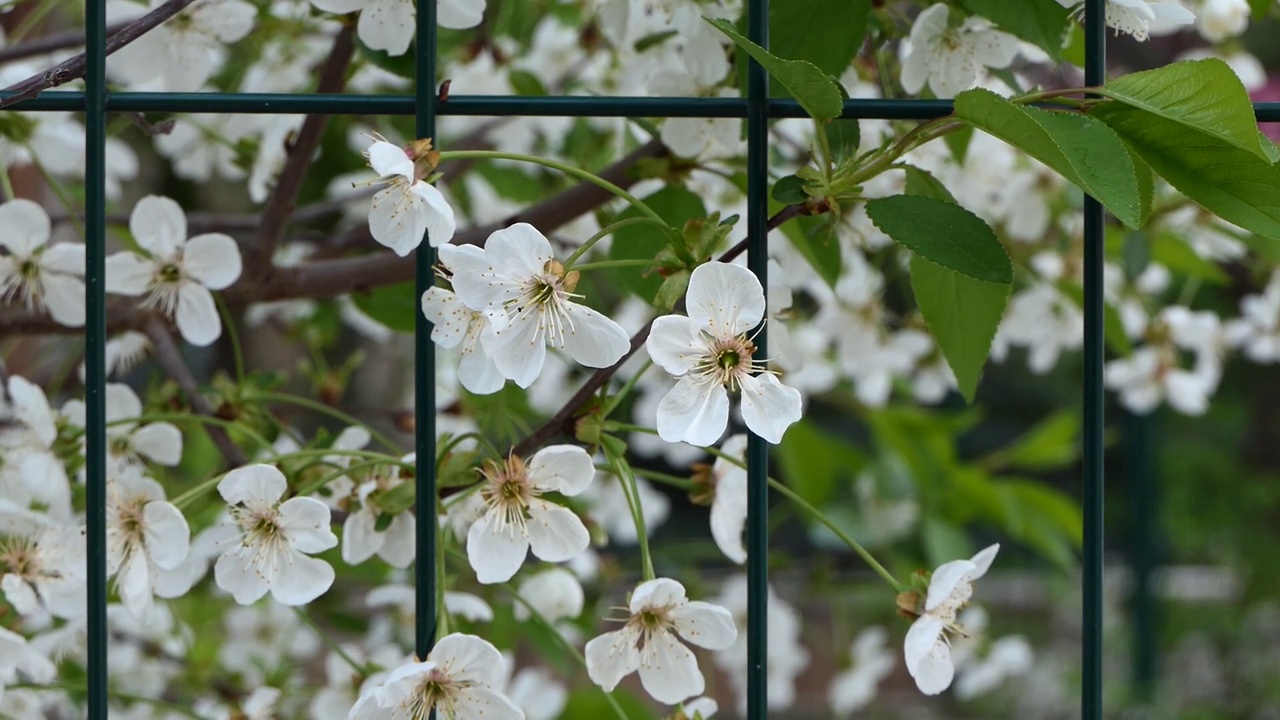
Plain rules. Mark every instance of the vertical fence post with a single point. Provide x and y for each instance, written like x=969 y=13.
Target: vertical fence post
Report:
x=757 y=448
x=95 y=330
x=1095 y=73
x=424 y=405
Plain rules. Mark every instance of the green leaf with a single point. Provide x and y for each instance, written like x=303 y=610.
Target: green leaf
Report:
x=962 y=313
x=395 y=306
x=816 y=92
x=945 y=233
x=921 y=182
x=958 y=143
x=1080 y=148
x=789 y=190
x=676 y=205
x=1050 y=444
x=1268 y=147
x=526 y=83
x=843 y=137
x=827 y=33
x=815 y=238
x=814 y=463
x=1202 y=95
x=1234 y=184
x=1042 y=23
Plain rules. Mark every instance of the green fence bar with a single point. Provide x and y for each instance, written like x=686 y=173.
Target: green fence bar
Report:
x=757 y=449
x=424 y=375
x=1092 y=451
x=95 y=335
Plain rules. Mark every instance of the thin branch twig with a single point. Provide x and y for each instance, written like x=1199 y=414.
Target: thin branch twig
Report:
x=74 y=68
x=170 y=359
x=50 y=43
x=284 y=197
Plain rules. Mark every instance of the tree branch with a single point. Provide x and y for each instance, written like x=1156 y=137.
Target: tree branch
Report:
x=284 y=197
x=49 y=43
x=74 y=68
x=170 y=359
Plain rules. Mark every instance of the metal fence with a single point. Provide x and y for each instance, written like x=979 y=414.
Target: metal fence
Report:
x=756 y=107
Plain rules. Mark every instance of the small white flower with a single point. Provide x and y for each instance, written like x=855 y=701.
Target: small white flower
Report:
x=40 y=276
x=950 y=59
x=146 y=536
x=45 y=571
x=362 y=537
x=458 y=680
x=788 y=658
x=269 y=539
x=1222 y=19
x=453 y=324
x=710 y=353
x=528 y=297
x=517 y=520
x=180 y=272
x=927 y=650
x=1008 y=657
x=660 y=615
x=30 y=471
x=408 y=207
x=19 y=657
x=1257 y=330
x=855 y=688
x=1142 y=18
x=534 y=690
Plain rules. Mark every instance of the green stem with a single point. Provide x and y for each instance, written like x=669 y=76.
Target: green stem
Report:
x=605 y=232
x=333 y=644
x=333 y=412
x=555 y=165
x=625 y=262
x=674 y=481
x=622 y=469
x=818 y=515
x=233 y=335
x=6 y=183
x=443 y=621
x=626 y=389
x=187 y=497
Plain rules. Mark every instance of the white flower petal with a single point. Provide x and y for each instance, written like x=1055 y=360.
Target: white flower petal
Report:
x=518 y=251
x=398 y=544
x=675 y=343
x=495 y=551
x=448 y=316
x=64 y=299
x=566 y=469
x=359 y=538
x=705 y=625
x=197 y=315
x=556 y=534
x=693 y=412
x=31 y=408
x=213 y=259
x=612 y=656
x=253 y=484
x=725 y=299
x=671 y=673
x=945 y=580
x=594 y=340
x=517 y=351
x=305 y=522
x=982 y=561
x=26 y=227
x=235 y=573
x=160 y=442
x=301 y=579
x=386 y=159
x=64 y=258
x=659 y=592
x=128 y=274
x=438 y=214
x=924 y=633
x=769 y=407
x=168 y=537
x=387 y=25
x=469 y=659
x=158 y=225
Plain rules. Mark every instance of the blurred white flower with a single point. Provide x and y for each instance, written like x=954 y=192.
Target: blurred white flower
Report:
x=873 y=661
x=179 y=55
x=408 y=207
x=146 y=537
x=390 y=24
x=788 y=658
x=459 y=680
x=950 y=59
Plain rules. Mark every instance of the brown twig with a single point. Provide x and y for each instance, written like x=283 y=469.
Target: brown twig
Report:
x=562 y=422
x=74 y=68
x=170 y=359
x=50 y=43
x=284 y=197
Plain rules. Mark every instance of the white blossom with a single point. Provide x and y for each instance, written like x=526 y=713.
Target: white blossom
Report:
x=390 y=24
x=518 y=520
x=729 y=506
x=555 y=594
x=362 y=536
x=660 y=616
x=30 y=470
x=453 y=324
x=44 y=571
x=1222 y=19
x=788 y=658
x=534 y=690
x=18 y=657
x=927 y=650
x=408 y=207
x=1257 y=330
x=179 y=55
x=459 y=680
x=130 y=444
x=950 y=59
x=146 y=536
x=529 y=299
x=268 y=542
x=180 y=272
x=40 y=276
x=710 y=354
